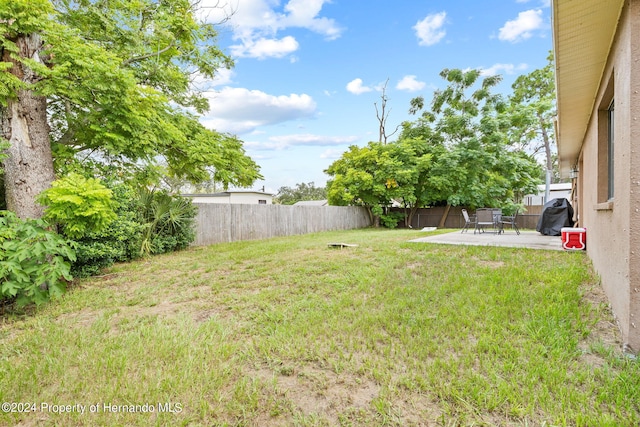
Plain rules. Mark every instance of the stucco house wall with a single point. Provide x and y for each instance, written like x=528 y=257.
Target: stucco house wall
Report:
x=613 y=224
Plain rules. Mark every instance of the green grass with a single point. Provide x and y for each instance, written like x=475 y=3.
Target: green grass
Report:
x=290 y=332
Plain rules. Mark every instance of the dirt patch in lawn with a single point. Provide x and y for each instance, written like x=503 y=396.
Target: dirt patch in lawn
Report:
x=605 y=331
x=86 y=317
x=315 y=391
x=337 y=399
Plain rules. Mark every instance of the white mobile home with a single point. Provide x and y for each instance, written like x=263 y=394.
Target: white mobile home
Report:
x=233 y=197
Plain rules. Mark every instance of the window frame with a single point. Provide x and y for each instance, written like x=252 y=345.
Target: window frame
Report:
x=605 y=147
x=610 y=150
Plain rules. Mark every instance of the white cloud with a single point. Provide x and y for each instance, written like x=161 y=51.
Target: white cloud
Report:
x=522 y=27
x=304 y=13
x=429 y=30
x=222 y=77
x=301 y=140
x=410 y=84
x=503 y=69
x=355 y=86
x=543 y=3
x=266 y=48
x=256 y=24
x=239 y=110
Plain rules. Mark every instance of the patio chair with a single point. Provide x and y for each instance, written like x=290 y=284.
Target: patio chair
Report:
x=468 y=220
x=497 y=219
x=484 y=217
x=510 y=220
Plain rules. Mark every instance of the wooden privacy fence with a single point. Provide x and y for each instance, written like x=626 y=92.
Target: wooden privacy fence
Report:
x=430 y=217
x=218 y=223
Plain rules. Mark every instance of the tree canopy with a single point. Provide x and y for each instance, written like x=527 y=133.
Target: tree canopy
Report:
x=115 y=77
x=377 y=175
x=479 y=166
x=533 y=109
x=457 y=152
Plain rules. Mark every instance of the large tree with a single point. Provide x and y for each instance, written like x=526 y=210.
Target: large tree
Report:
x=533 y=111
x=479 y=166
x=108 y=81
x=28 y=166
x=376 y=175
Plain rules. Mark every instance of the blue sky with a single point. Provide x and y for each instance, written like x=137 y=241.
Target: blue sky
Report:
x=308 y=72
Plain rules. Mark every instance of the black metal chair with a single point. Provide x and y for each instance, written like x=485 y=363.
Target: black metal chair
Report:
x=468 y=220
x=510 y=220
x=484 y=217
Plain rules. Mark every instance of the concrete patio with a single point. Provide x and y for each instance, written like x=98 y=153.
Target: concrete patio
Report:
x=526 y=239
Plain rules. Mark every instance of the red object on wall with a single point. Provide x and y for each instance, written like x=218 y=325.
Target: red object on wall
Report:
x=574 y=238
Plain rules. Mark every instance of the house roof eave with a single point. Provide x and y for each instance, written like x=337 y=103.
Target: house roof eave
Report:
x=583 y=33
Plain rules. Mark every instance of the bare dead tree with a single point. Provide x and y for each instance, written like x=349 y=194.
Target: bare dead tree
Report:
x=382 y=114
x=224 y=10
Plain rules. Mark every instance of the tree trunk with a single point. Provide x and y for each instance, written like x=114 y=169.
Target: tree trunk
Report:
x=547 y=143
x=445 y=214
x=28 y=169
x=412 y=213
x=375 y=219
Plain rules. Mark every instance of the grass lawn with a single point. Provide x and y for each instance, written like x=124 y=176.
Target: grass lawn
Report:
x=288 y=331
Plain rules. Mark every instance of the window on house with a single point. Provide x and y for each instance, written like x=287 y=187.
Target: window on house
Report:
x=610 y=141
x=262 y=202
x=606 y=131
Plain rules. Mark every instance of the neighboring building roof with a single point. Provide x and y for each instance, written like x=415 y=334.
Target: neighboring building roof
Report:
x=206 y=195
x=226 y=194
x=312 y=203
x=583 y=32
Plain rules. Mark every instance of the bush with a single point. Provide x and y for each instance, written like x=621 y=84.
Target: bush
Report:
x=33 y=261
x=147 y=222
x=391 y=219
x=388 y=219
x=169 y=222
x=120 y=241
x=116 y=223
x=78 y=205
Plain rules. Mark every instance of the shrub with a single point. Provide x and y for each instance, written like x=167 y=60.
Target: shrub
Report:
x=116 y=223
x=169 y=222
x=78 y=205
x=147 y=222
x=391 y=219
x=33 y=261
x=388 y=219
x=120 y=241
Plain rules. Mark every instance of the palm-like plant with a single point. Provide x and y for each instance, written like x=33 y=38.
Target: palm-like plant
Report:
x=168 y=222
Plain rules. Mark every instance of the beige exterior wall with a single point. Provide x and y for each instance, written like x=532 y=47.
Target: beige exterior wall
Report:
x=631 y=177
x=613 y=226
